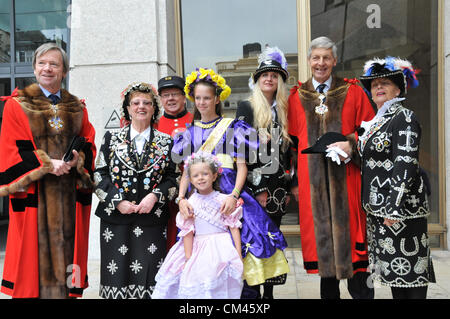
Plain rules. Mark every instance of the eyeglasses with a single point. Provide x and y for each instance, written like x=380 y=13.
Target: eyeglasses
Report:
x=168 y=95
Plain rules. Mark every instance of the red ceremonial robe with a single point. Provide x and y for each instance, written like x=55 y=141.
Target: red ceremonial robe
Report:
x=47 y=244
x=332 y=222
x=173 y=125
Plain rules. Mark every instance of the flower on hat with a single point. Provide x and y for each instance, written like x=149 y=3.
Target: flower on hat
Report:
x=139 y=86
x=207 y=75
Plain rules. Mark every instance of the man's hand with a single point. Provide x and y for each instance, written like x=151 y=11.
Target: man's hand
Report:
x=344 y=147
x=60 y=167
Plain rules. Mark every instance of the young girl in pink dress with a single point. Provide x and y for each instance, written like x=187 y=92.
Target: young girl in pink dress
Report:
x=207 y=262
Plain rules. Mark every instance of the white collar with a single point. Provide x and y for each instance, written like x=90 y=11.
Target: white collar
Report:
x=327 y=83
x=134 y=133
x=47 y=92
x=274 y=104
x=380 y=113
x=387 y=105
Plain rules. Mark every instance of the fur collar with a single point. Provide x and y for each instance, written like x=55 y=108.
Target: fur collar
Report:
x=33 y=98
x=337 y=89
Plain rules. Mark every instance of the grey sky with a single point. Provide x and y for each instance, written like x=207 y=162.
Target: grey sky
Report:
x=217 y=30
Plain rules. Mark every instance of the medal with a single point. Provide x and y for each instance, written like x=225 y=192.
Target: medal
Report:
x=322 y=108
x=56 y=121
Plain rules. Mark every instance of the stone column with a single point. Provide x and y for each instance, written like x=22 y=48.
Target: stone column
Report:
x=114 y=43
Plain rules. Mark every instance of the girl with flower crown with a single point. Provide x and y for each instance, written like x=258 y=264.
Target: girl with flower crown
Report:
x=204 y=264
x=234 y=142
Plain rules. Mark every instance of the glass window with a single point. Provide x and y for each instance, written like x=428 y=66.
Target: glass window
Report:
x=5 y=32
x=365 y=29
x=228 y=36
x=22 y=83
x=38 y=22
x=5 y=89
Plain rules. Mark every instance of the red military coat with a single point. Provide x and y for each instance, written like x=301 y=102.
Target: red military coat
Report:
x=173 y=125
x=41 y=204
x=332 y=222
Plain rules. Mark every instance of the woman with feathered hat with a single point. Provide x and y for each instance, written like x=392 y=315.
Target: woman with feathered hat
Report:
x=394 y=193
x=266 y=111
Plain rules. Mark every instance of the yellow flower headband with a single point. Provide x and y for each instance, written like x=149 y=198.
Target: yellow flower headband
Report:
x=207 y=75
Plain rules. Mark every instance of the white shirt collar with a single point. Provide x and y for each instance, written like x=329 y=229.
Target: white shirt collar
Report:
x=327 y=83
x=47 y=93
x=274 y=104
x=134 y=133
x=139 y=138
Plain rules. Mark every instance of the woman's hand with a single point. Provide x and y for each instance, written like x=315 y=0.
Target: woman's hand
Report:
x=147 y=203
x=125 y=207
x=262 y=198
x=186 y=209
x=389 y=222
x=228 y=205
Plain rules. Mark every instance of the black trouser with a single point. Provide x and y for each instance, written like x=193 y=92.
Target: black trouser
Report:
x=409 y=293
x=357 y=287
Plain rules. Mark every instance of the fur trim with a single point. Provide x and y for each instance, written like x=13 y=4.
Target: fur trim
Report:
x=84 y=180
x=56 y=209
x=22 y=184
x=327 y=183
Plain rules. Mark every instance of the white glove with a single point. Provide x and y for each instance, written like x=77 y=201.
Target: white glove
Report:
x=334 y=152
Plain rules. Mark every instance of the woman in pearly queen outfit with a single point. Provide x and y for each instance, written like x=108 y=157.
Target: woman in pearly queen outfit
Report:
x=394 y=194
x=135 y=179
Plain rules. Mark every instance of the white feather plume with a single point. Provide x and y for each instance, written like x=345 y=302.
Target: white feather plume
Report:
x=398 y=63
x=273 y=53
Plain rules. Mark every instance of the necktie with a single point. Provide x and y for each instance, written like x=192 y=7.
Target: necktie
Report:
x=321 y=87
x=54 y=98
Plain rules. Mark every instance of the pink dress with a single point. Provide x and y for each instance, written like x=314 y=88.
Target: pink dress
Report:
x=215 y=269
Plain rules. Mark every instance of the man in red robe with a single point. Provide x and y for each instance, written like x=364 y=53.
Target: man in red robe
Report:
x=173 y=122
x=49 y=198
x=332 y=222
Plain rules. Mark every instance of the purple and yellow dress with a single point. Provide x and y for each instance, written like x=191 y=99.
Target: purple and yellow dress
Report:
x=262 y=241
